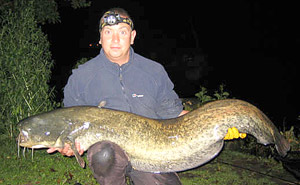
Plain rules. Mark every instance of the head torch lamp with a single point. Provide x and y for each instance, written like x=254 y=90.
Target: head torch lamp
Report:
x=111 y=18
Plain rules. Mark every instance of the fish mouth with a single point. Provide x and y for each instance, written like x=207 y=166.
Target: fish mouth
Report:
x=22 y=138
x=24 y=141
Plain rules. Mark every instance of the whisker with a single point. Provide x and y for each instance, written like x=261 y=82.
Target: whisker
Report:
x=32 y=149
x=19 y=146
x=24 y=150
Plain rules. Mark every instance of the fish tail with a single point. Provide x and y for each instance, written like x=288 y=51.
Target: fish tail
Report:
x=281 y=144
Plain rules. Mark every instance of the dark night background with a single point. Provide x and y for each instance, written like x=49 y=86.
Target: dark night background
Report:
x=250 y=46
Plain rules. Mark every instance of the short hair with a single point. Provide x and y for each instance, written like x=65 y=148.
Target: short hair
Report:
x=117 y=10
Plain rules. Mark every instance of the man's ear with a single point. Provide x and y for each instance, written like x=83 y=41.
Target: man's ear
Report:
x=100 y=38
x=133 y=34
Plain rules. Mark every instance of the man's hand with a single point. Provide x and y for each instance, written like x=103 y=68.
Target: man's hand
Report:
x=67 y=150
x=233 y=133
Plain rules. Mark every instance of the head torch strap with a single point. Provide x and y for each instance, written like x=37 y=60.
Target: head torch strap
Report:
x=112 y=18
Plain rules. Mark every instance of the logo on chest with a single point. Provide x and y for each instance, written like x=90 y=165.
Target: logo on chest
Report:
x=137 y=95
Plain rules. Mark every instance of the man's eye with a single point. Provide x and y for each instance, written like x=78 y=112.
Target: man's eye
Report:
x=123 y=32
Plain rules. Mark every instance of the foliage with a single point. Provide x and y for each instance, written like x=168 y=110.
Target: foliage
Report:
x=80 y=62
x=25 y=58
x=292 y=139
x=218 y=95
x=24 y=69
x=79 y=3
x=43 y=168
x=44 y=10
x=204 y=97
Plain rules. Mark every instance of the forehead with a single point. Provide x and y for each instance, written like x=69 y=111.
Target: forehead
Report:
x=117 y=26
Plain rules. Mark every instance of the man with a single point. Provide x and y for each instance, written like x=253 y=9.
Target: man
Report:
x=125 y=81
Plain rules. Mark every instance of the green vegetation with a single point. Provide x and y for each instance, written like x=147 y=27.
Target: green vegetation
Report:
x=44 y=10
x=235 y=168
x=42 y=169
x=25 y=59
x=25 y=68
x=203 y=96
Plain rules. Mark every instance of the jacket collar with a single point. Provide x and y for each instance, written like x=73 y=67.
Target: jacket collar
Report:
x=113 y=66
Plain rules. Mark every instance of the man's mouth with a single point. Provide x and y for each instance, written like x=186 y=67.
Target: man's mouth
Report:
x=115 y=47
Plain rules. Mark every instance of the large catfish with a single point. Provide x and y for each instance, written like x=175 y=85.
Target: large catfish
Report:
x=152 y=145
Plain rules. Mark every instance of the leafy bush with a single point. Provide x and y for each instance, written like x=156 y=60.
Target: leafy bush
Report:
x=46 y=10
x=218 y=95
x=25 y=67
x=80 y=62
x=203 y=97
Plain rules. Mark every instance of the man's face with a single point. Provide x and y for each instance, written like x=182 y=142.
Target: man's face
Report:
x=116 y=41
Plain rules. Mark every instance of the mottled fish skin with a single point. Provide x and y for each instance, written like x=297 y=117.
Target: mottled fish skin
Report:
x=153 y=145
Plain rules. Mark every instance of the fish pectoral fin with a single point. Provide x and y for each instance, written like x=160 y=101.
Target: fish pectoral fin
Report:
x=76 y=153
x=233 y=133
x=60 y=142
x=79 y=158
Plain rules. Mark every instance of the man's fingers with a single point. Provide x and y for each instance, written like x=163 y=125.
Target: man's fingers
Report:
x=51 y=150
x=77 y=145
x=67 y=150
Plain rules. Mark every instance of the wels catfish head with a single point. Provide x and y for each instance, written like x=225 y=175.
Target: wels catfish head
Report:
x=40 y=131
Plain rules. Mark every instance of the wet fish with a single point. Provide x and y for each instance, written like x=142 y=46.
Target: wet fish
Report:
x=152 y=145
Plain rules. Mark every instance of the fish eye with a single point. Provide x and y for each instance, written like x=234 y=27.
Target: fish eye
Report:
x=47 y=133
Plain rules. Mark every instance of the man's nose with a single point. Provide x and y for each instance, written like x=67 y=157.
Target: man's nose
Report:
x=115 y=37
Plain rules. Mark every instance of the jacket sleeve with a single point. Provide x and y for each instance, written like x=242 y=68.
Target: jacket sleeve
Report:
x=170 y=106
x=73 y=92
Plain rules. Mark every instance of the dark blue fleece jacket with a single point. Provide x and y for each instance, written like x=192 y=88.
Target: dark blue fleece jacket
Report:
x=140 y=86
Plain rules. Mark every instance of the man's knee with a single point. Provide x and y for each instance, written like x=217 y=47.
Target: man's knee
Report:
x=105 y=157
x=101 y=158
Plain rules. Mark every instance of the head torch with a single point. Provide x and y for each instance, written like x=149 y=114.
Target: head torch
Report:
x=111 y=18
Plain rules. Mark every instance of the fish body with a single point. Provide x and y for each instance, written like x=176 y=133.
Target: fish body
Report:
x=152 y=145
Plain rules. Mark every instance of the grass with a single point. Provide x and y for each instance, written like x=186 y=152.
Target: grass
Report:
x=229 y=167
x=43 y=169
x=232 y=167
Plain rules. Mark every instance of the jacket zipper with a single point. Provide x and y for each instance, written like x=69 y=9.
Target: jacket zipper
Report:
x=123 y=88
